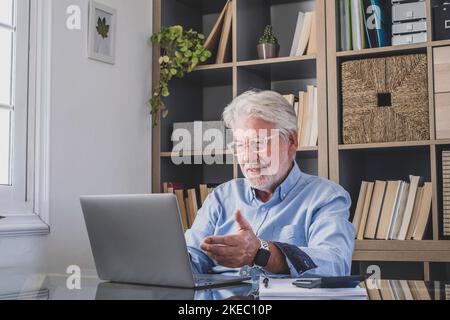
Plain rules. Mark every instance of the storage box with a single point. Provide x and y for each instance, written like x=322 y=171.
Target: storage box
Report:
x=385 y=99
x=441 y=57
x=403 y=39
x=441 y=22
x=409 y=11
x=409 y=27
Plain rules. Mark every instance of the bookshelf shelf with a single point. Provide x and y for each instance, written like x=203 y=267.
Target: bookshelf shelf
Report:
x=276 y=60
x=440 y=43
x=397 y=245
x=384 y=145
x=384 y=50
x=214 y=66
x=442 y=142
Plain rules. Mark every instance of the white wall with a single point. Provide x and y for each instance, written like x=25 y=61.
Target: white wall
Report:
x=100 y=132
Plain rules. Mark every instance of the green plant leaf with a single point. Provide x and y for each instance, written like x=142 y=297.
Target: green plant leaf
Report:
x=102 y=28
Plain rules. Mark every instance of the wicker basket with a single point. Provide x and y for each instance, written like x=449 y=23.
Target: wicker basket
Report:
x=385 y=99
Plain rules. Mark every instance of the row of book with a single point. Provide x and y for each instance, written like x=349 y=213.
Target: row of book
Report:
x=219 y=40
x=306 y=109
x=364 y=24
x=187 y=200
x=446 y=190
x=393 y=210
x=305 y=36
x=397 y=290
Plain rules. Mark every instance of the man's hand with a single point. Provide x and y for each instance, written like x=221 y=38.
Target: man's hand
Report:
x=234 y=251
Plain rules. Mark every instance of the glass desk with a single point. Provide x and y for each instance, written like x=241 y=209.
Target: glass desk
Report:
x=40 y=286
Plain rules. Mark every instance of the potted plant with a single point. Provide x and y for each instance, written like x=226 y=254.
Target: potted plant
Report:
x=181 y=51
x=268 y=46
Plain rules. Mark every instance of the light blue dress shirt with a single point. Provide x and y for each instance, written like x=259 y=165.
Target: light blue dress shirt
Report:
x=308 y=212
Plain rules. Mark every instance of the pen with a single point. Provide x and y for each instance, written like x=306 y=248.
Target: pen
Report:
x=266 y=282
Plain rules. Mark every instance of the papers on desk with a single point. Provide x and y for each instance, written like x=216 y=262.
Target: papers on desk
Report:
x=283 y=289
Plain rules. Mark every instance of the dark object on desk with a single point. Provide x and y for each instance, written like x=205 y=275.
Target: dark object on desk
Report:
x=441 y=21
x=2 y=217
x=331 y=282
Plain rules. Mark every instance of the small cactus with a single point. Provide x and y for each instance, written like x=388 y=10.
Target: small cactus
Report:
x=268 y=37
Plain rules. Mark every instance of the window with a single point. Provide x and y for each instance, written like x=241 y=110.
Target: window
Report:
x=22 y=147
x=14 y=196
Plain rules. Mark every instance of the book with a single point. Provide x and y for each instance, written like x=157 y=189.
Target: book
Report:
x=377 y=23
x=375 y=210
x=387 y=211
x=407 y=216
x=183 y=212
x=305 y=119
x=312 y=44
x=300 y=116
x=297 y=34
x=399 y=210
x=415 y=213
x=386 y=291
x=366 y=208
x=358 y=36
x=192 y=205
x=305 y=34
x=225 y=38
x=424 y=212
x=213 y=38
x=310 y=117
x=360 y=205
x=203 y=193
x=345 y=25
x=314 y=131
x=419 y=290
x=290 y=98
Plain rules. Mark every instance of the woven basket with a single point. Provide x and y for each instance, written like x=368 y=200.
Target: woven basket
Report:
x=385 y=99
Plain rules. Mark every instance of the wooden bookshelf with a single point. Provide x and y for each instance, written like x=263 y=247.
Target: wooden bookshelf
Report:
x=204 y=93
x=350 y=164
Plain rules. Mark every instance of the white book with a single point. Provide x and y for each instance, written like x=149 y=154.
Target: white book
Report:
x=409 y=208
x=315 y=122
x=399 y=209
x=305 y=34
x=298 y=32
x=310 y=115
x=357 y=25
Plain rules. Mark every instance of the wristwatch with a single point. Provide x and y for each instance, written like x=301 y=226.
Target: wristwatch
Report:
x=263 y=255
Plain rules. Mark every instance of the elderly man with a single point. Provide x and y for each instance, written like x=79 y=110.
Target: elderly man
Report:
x=278 y=219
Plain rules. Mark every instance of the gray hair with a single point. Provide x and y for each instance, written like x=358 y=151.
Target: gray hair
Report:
x=269 y=106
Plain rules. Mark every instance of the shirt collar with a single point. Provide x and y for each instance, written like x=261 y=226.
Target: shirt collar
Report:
x=284 y=188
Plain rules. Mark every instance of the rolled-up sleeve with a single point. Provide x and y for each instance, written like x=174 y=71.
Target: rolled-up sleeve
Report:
x=330 y=242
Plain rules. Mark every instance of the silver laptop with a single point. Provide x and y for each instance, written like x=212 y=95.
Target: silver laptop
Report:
x=139 y=239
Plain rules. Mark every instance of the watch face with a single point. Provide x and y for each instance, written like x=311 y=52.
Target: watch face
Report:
x=262 y=258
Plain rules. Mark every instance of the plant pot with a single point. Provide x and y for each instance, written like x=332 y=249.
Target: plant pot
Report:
x=268 y=51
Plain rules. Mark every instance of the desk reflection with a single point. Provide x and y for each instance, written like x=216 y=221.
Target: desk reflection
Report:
x=117 y=291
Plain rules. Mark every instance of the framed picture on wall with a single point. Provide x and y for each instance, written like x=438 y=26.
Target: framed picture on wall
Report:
x=102 y=32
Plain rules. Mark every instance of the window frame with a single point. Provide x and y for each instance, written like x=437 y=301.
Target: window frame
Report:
x=32 y=218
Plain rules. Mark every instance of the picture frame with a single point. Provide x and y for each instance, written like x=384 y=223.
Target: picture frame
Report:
x=102 y=32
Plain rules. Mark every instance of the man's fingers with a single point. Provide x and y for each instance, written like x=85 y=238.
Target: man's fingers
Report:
x=243 y=224
x=227 y=241
x=217 y=250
